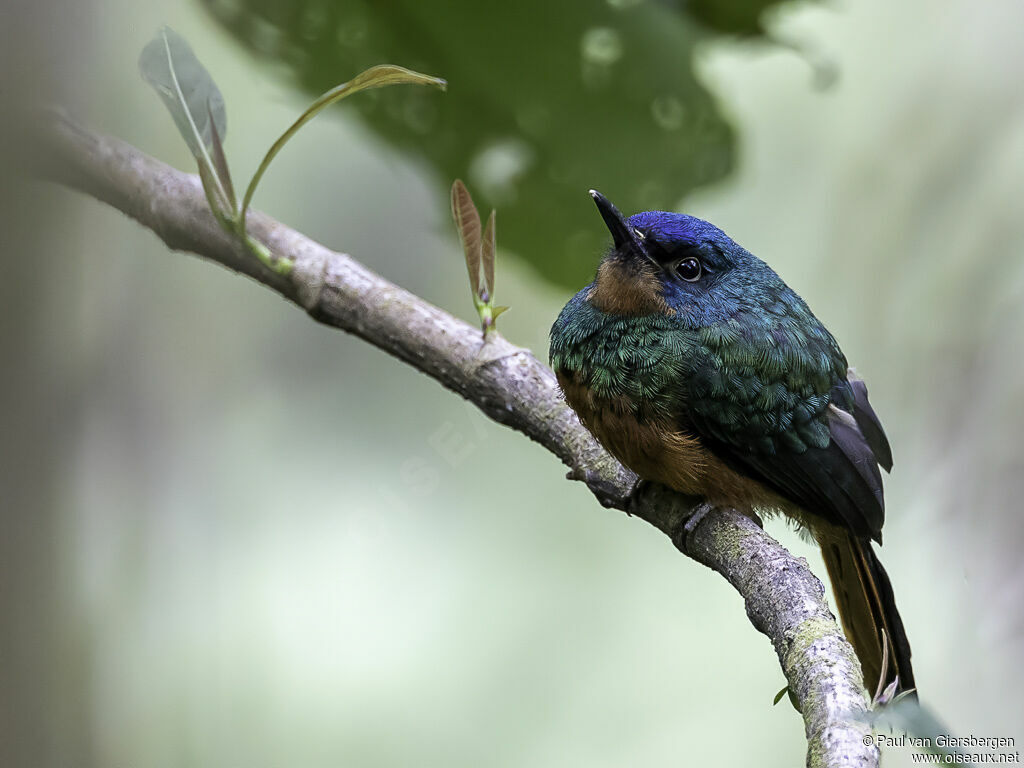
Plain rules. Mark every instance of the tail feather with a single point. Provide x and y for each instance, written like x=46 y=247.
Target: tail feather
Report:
x=867 y=609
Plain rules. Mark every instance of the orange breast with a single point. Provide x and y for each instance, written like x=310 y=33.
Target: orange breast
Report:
x=660 y=452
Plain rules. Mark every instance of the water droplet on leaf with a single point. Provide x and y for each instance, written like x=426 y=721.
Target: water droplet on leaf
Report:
x=668 y=112
x=601 y=46
x=497 y=168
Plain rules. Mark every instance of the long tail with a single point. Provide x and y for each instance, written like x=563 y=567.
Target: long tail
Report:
x=867 y=609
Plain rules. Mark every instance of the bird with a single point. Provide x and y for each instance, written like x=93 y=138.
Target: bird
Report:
x=697 y=367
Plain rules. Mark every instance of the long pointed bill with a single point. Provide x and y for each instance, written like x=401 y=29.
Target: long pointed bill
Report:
x=623 y=235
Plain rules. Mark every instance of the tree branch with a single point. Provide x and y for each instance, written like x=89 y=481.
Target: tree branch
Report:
x=783 y=598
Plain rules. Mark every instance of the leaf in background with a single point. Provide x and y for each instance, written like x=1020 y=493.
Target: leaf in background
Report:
x=467 y=222
x=487 y=255
x=190 y=95
x=375 y=77
x=606 y=96
x=736 y=17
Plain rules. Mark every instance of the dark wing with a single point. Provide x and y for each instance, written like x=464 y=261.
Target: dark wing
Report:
x=792 y=419
x=870 y=426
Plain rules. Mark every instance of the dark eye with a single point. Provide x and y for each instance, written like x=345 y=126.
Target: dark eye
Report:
x=689 y=269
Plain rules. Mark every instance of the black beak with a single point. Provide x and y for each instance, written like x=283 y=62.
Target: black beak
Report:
x=623 y=235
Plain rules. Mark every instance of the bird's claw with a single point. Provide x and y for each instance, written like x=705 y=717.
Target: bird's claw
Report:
x=607 y=493
x=699 y=513
x=639 y=489
x=694 y=519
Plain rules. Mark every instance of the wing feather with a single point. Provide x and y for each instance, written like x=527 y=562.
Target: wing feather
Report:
x=833 y=471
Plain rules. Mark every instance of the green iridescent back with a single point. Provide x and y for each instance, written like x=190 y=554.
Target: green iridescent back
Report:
x=761 y=382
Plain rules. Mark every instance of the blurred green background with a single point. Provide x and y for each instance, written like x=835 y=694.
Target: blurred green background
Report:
x=232 y=537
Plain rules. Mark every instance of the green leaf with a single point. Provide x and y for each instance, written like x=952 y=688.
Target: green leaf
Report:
x=609 y=96
x=374 y=77
x=487 y=255
x=217 y=204
x=220 y=162
x=168 y=64
x=467 y=222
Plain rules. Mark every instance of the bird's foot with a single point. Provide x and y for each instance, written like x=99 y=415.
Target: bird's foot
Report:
x=696 y=516
x=699 y=513
x=639 y=489
x=606 y=492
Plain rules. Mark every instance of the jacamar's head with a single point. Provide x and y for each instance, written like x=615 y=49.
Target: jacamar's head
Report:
x=670 y=263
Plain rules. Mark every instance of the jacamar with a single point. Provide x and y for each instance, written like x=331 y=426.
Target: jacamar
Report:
x=697 y=367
